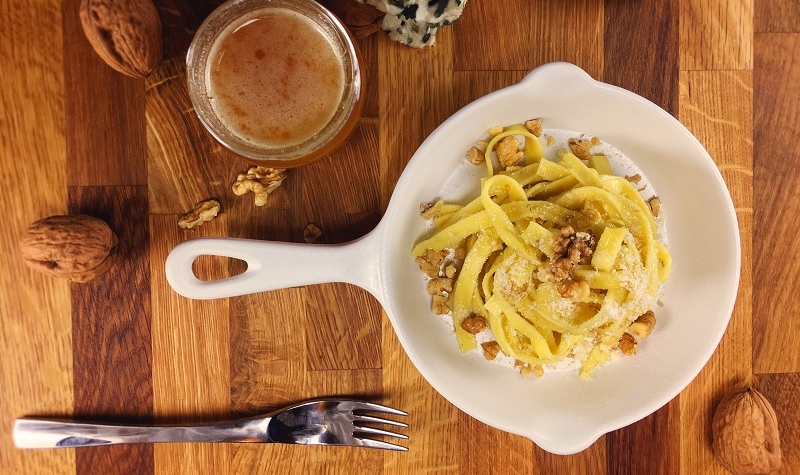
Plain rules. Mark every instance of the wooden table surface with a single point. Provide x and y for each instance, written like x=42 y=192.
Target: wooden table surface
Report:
x=78 y=137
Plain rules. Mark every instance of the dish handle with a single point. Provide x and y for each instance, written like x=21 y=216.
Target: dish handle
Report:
x=272 y=265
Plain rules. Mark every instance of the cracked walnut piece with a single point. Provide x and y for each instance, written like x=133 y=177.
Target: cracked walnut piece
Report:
x=508 y=151
x=570 y=248
x=261 y=181
x=628 y=344
x=473 y=324
x=534 y=126
x=490 y=350
x=574 y=289
x=655 y=206
x=431 y=210
x=580 y=148
x=643 y=326
x=203 y=211
x=527 y=369
x=431 y=262
x=475 y=156
x=311 y=233
x=439 y=305
x=440 y=285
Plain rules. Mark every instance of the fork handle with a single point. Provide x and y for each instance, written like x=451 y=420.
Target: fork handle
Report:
x=44 y=433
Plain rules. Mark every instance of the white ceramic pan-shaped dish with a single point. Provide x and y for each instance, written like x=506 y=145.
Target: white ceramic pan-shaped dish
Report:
x=559 y=412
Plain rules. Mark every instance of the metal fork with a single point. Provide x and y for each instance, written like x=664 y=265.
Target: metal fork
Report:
x=318 y=422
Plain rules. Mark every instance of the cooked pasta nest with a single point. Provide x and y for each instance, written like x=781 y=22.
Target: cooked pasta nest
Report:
x=557 y=256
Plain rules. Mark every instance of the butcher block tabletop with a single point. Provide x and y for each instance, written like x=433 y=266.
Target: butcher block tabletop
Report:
x=78 y=137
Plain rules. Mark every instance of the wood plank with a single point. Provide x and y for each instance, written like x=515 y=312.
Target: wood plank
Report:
x=657 y=432
x=369 y=56
x=419 y=86
x=593 y=461
x=105 y=126
x=339 y=336
x=717 y=107
x=191 y=365
x=342 y=216
x=777 y=217
x=111 y=330
x=361 y=384
x=35 y=309
x=476 y=453
x=641 y=49
x=185 y=164
x=268 y=350
x=268 y=367
x=776 y=16
x=567 y=31
x=485 y=44
x=470 y=85
x=119 y=139
x=342 y=321
x=781 y=391
x=180 y=19
x=716 y=34
x=641 y=55
x=432 y=419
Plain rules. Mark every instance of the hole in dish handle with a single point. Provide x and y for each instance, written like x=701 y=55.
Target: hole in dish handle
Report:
x=270 y=266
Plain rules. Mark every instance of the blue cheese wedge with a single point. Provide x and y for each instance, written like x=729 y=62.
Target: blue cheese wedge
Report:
x=415 y=22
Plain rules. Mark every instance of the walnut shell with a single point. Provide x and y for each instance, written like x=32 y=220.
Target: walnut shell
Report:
x=360 y=18
x=76 y=247
x=126 y=34
x=745 y=434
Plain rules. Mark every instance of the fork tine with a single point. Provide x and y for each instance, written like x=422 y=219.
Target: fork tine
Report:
x=378 y=420
x=372 y=430
x=371 y=406
x=379 y=444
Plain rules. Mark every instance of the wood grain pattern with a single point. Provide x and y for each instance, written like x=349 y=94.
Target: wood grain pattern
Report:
x=190 y=345
x=493 y=45
x=776 y=161
x=76 y=136
x=105 y=131
x=641 y=49
x=568 y=31
x=35 y=310
x=111 y=329
x=716 y=34
x=776 y=16
x=781 y=390
x=717 y=107
x=645 y=60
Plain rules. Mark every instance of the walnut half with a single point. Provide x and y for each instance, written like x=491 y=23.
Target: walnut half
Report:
x=261 y=181
x=473 y=324
x=508 y=151
x=202 y=212
x=490 y=350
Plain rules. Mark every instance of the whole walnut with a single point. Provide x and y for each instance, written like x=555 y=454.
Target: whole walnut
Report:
x=745 y=434
x=75 y=247
x=126 y=34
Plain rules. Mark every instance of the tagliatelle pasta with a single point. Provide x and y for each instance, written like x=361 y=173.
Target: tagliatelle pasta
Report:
x=557 y=257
